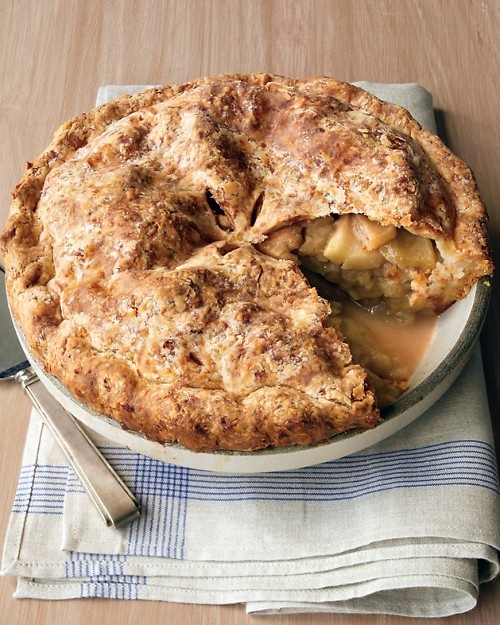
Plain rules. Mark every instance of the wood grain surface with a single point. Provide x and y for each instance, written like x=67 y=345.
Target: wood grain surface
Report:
x=55 y=54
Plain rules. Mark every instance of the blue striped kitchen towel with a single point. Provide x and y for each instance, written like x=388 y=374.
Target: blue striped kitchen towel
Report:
x=410 y=526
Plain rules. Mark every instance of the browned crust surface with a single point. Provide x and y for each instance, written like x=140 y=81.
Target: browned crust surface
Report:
x=132 y=270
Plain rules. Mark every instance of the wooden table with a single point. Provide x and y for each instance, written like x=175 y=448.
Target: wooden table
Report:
x=56 y=53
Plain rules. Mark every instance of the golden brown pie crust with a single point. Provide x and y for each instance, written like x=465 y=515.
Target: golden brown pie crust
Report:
x=132 y=261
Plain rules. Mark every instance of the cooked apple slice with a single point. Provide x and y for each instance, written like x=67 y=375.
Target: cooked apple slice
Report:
x=344 y=248
x=341 y=242
x=361 y=259
x=372 y=234
x=410 y=251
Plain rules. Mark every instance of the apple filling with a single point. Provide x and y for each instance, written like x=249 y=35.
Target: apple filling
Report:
x=368 y=261
x=374 y=269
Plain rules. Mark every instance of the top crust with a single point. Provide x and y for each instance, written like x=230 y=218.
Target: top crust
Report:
x=132 y=270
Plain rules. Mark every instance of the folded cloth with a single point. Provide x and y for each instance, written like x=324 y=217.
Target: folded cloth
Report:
x=410 y=526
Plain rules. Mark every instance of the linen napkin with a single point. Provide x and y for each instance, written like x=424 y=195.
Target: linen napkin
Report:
x=410 y=526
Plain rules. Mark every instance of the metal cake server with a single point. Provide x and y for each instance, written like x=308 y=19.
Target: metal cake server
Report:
x=117 y=505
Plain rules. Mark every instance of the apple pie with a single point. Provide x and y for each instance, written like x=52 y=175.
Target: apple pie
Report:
x=156 y=254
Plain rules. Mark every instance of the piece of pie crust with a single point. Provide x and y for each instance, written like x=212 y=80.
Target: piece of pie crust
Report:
x=154 y=251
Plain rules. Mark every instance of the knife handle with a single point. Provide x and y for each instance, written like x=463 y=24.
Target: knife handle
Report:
x=117 y=505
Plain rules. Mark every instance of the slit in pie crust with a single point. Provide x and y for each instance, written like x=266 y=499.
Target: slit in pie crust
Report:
x=154 y=253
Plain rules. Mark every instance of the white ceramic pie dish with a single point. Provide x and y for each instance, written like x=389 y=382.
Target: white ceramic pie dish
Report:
x=456 y=333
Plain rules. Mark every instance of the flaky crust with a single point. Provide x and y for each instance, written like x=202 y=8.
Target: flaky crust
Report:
x=132 y=267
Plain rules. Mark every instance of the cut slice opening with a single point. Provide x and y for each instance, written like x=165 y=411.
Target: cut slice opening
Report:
x=372 y=274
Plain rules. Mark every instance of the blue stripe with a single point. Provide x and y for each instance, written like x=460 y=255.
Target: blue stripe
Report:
x=91 y=565
x=253 y=495
x=102 y=575
x=162 y=492
x=456 y=463
x=113 y=587
x=41 y=489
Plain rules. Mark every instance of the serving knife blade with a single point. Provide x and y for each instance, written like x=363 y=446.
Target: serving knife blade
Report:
x=116 y=503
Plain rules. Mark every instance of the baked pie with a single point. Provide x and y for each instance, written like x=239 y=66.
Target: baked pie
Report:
x=156 y=254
